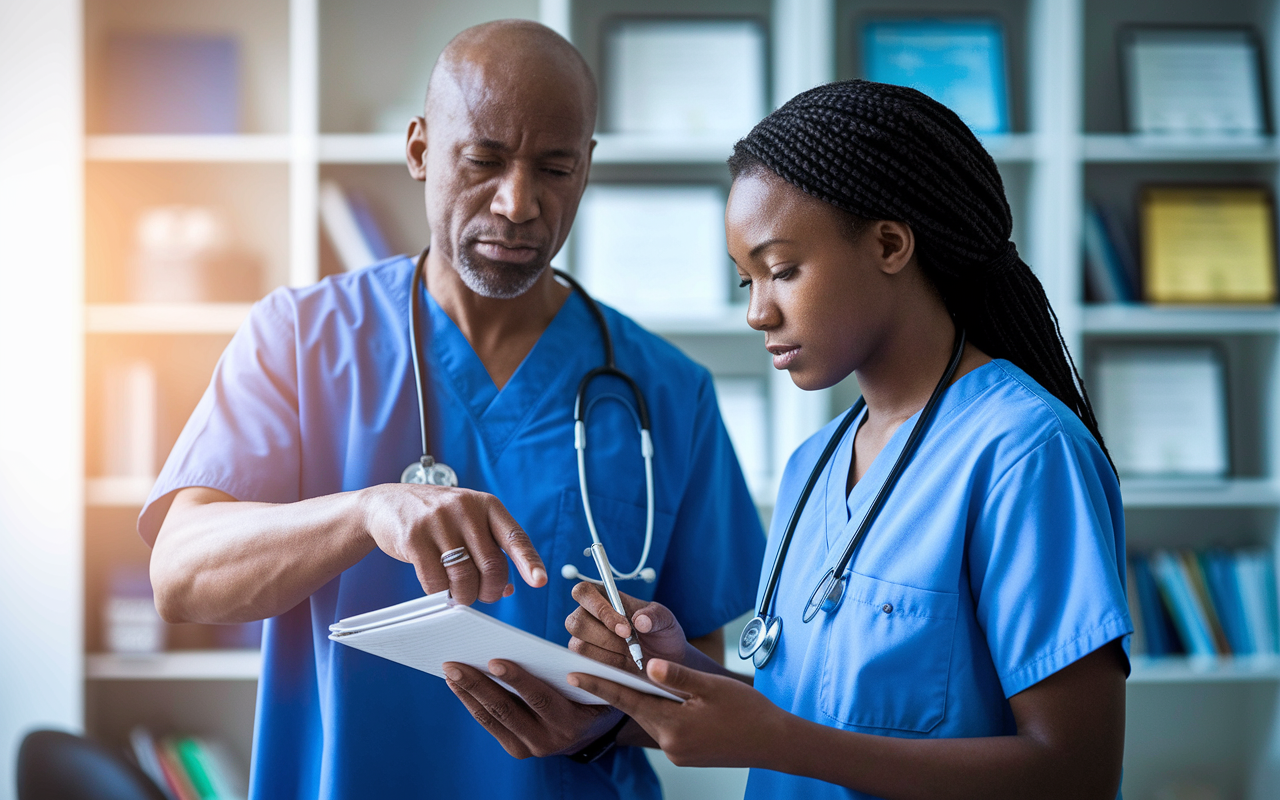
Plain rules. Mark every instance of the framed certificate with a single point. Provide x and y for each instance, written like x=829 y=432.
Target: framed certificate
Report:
x=654 y=250
x=685 y=77
x=1162 y=409
x=1194 y=82
x=1207 y=244
x=958 y=62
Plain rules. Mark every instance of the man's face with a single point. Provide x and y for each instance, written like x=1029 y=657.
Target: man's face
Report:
x=506 y=163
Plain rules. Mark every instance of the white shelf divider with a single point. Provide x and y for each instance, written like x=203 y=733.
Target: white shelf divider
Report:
x=225 y=149
x=113 y=492
x=1191 y=493
x=165 y=317
x=179 y=665
x=362 y=148
x=1144 y=149
x=1139 y=319
x=1191 y=669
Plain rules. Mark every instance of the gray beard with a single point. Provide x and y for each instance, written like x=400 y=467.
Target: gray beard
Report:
x=497 y=282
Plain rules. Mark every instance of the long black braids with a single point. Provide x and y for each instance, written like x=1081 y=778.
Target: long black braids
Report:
x=881 y=152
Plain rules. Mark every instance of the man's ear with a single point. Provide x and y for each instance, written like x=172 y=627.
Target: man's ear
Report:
x=895 y=244
x=415 y=148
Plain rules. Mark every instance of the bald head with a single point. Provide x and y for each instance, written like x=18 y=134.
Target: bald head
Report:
x=502 y=60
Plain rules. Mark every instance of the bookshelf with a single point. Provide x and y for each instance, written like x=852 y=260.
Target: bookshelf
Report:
x=327 y=87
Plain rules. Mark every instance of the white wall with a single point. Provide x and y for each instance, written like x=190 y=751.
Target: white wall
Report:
x=41 y=466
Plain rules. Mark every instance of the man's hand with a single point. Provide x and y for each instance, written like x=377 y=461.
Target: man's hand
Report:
x=539 y=722
x=600 y=633
x=417 y=524
x=723 y=723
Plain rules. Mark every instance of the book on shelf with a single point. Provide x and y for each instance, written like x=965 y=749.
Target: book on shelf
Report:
x=959 y=62
x=1111 y=274
x=1208 y=244
x=1209 y=602
x=166 y=83
x=189 y=767
x=684 y=77
x=351 y=227
x=130 y=408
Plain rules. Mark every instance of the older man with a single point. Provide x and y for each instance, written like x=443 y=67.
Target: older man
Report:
x=279 y=500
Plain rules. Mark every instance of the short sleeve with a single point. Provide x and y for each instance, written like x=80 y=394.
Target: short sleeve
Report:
x=1045 y=562
x=243 y=437
x=710 y=571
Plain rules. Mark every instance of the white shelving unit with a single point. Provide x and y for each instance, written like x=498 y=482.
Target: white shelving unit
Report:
x=321 y=73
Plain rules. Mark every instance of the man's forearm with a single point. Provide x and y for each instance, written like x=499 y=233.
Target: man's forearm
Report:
x=220 y=562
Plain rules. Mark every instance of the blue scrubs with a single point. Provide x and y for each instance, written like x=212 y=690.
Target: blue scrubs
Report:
x=997 y=561
x=315 y=395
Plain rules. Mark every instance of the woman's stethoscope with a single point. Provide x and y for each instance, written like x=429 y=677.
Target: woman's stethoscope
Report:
x=760 y=638
x=427 y=470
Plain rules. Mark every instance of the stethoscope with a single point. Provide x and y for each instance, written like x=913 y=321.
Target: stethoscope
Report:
x=760 y=638
x=427 y=470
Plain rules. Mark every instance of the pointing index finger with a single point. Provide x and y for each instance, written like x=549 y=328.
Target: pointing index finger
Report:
x=515 y=542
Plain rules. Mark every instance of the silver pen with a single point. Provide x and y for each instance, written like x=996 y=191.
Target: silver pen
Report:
x=596 y=551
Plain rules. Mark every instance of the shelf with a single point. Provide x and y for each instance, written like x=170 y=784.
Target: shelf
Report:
x=362 y=148
x=165 y=317
x=181 y=665
x=617 y=148
x=732 y=321
x=1173 y=320
x=1191 y=669
x=1140 y=149
x=117 y=492
x=1192 y=493
x=269 y=148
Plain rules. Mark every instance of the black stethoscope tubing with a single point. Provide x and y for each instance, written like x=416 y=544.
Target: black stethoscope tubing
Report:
x=760 y=637
x=438 y=472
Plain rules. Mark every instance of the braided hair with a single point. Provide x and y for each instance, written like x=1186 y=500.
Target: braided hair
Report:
x=882 y=152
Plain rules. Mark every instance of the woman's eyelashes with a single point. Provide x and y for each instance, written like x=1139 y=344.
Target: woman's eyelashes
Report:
x=781 y=275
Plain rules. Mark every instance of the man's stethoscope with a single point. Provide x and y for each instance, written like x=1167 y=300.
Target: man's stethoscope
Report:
x=427 y=470
x=760 y=638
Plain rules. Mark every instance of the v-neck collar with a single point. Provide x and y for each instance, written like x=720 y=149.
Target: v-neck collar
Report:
x=499 y=414
x=845 y=512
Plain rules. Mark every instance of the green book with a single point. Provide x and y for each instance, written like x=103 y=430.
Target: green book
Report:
x=189 y=752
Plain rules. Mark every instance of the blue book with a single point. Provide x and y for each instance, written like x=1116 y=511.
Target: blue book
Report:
x=171 y=83
x=1220 y=574
x=1103 y=275
x=1188 y=616
x=368 y=226
x=1162 y=636
x=958 y=62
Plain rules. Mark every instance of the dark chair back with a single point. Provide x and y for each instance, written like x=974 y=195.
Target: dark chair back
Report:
x=53 y=765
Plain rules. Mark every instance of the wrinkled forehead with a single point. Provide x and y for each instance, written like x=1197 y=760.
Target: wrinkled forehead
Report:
x=513 y=101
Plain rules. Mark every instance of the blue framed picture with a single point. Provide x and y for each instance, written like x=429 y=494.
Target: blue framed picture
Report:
x=958 y=62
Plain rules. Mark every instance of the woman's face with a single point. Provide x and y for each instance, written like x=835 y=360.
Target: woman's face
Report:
x=823 y=297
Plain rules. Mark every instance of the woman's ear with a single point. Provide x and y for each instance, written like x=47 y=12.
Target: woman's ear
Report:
x=894 y=243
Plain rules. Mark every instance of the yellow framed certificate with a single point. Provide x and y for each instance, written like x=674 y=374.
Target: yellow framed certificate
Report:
x=1208 y=244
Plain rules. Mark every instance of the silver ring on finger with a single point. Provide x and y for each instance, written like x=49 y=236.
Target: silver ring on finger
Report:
x=455 y=556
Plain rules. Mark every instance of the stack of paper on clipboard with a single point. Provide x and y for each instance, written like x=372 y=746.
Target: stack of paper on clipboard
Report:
x=427 y=632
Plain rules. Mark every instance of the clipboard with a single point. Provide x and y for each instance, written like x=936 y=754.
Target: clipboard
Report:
x=426 y=632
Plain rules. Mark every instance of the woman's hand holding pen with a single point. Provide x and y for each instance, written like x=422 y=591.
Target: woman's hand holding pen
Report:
x=600 y=632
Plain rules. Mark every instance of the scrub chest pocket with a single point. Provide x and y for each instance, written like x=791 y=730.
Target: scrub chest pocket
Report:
x=886 y=656
x=620 y=524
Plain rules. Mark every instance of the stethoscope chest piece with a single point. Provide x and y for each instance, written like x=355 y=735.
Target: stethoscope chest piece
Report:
x=759 y=639
x=429 y=472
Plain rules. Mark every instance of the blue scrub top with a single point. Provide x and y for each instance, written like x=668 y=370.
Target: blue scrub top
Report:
x=315 y=395
x=997 y=560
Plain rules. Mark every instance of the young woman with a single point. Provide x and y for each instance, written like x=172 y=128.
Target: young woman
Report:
x=969 y=639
